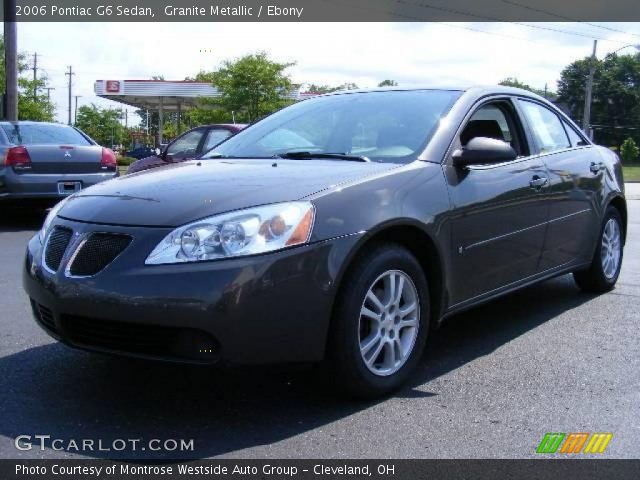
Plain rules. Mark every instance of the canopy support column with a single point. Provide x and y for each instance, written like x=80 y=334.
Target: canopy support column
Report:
x=160 y=120
x=179 y=118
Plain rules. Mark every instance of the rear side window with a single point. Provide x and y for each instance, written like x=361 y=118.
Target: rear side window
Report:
x=546 y=127
x=43 y=134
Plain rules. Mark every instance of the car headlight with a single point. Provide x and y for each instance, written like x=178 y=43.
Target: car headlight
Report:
x=244 y=232
x=50 y=217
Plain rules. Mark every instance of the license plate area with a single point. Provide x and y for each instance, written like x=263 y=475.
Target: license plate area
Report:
x=67 y=188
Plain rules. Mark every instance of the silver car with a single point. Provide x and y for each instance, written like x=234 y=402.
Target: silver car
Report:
x=48 y=161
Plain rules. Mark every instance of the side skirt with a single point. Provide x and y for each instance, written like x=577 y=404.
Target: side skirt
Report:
x=512 y=287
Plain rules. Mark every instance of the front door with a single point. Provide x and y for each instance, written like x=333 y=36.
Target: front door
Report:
x=499 y=210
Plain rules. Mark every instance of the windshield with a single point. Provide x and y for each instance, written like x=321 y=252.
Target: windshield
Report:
x=43 y=134
x=391 y=126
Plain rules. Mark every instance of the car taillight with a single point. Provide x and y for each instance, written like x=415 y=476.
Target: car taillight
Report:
x=108 y=158
x=17 y=157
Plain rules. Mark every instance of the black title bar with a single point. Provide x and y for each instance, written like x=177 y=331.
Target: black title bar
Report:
x=325 y=10
x=585 y=469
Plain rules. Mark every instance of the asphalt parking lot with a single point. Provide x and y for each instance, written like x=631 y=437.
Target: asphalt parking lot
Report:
x=494 y=381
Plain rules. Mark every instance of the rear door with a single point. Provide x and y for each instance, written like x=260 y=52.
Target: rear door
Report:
x=576 y=176
x=499 y=210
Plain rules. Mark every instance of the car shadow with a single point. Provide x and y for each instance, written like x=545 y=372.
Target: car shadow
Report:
x=73 y=395
x=20 y=219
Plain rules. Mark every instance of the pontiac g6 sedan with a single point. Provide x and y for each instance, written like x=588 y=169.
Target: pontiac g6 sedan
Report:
x=342 y=228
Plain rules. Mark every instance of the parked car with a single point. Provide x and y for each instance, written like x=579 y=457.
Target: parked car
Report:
x=188 y=146
x=141 y=152
x=399 y=209
x=49 y=161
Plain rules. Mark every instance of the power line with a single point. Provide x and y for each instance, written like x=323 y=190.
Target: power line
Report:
x=496 y=19
x=563 y=17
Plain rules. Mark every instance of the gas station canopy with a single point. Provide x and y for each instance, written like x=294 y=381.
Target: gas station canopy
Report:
x=151 y=94
x=161 y=95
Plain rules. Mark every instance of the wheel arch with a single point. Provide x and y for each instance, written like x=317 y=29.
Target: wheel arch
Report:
x=421 y=244
x=620 y=204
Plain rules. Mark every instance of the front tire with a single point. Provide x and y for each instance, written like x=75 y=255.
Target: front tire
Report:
x=603 y=273
x=380 y=323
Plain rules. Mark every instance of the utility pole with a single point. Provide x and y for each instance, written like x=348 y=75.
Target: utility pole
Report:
x=586 y=119
x=75 y=113
x=48 y=89
x=11 y=60
x=35 y=76
x=71 y=74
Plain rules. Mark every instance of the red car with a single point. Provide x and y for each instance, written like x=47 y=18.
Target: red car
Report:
x=188 y=146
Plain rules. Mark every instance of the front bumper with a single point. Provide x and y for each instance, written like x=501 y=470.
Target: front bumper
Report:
x=260 y=309
x=45 y=185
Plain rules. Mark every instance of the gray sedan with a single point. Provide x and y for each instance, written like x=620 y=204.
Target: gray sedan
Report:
x=48 y=161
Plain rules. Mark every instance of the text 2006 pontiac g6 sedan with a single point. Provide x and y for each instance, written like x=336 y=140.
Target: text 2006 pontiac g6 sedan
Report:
x=342 y=228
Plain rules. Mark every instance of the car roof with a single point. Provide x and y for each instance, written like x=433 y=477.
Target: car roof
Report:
x=225 y=125
x=479 y=90
x=31 y=122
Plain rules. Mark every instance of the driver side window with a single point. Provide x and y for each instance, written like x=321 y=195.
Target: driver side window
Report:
x=185 y=146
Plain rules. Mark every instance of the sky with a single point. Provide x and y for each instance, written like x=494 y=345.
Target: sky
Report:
x=324 y=53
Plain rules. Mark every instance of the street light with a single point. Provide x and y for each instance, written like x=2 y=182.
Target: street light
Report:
x=586 y=118
x=636 y=46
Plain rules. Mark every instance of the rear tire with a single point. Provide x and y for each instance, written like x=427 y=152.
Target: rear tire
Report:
x=373 y=353
x=603 y=273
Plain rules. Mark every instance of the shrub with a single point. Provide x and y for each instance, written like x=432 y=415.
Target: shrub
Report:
x=126 y=161
x=629 y=151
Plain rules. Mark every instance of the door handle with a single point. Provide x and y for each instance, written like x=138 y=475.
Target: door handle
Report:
x=538 y=182
x=596 y=167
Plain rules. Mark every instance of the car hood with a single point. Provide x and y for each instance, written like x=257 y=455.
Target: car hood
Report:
x=180 y=193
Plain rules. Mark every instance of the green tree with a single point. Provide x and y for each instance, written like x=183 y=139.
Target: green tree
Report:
x=388 y=83
x=629 y=150
x=102 y=124
x=252 y=86
x=615 y=106
x=320 y=89
x=514 y=82
x=37 y=108
x=207 y=110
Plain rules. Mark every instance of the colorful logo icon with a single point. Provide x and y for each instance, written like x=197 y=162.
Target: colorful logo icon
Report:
x=574 y=442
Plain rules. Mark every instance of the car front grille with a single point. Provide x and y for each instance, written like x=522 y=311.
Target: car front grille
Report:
x=172 y=343
x=96 y=252
x=56 y=246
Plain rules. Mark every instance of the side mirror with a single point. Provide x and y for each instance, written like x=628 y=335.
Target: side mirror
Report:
x=158 y=152
x=482 y=150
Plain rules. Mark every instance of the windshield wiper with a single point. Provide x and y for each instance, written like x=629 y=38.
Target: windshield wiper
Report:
x=302 y=155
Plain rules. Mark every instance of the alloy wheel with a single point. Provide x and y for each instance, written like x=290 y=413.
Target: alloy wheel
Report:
x=610 y=252
x=389 y=322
